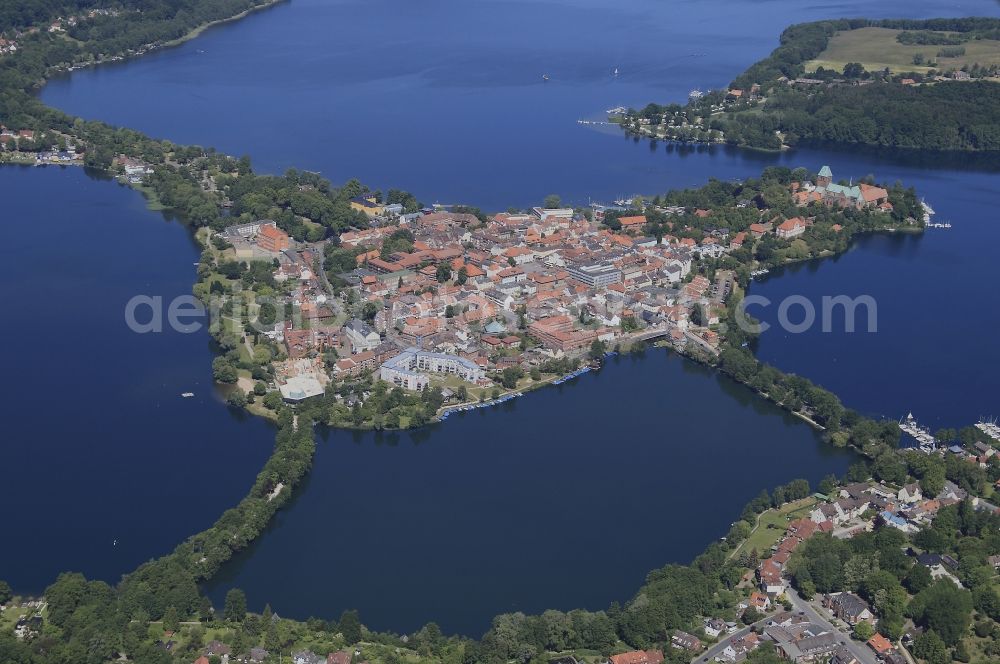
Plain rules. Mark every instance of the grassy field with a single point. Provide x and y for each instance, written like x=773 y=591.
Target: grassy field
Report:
x=772 y=525
x=877 y=48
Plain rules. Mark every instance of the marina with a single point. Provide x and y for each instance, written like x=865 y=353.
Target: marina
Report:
x=990 y=428
x=474 y=406
x=571 y=376
x=921 y=434
x=928 y=212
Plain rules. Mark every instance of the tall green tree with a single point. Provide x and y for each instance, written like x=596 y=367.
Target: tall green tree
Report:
x=235 y=607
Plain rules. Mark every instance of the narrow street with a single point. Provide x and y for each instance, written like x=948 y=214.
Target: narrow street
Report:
x=711 y=653
x=859 y=650
x=814 y=614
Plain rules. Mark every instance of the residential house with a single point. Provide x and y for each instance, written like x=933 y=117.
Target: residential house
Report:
x=910 y=493
x=840 y=511
x=684 y=641
x=307 y=657
x=880 y=644
x=849 y=607
x=759 y=601
x=771 y=581
x=791 y=228
x=714 y=627
x=842 y=655
x=217 y=648
x=638 y=657
x=634 y=222
x=361 y=336
x=367 y=203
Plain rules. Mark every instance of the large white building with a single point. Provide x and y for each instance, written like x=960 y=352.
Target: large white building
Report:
x=361 y=336
x=408 y=369
x=298 y=388
x=595 y=275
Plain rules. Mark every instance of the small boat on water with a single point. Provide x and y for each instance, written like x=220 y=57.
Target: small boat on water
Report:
x=615 y=72
x=187 y=395
x=545 y=77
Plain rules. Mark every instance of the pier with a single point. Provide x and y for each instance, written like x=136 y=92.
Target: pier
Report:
x=990 y=428
x=922 y=435
x=473 y=406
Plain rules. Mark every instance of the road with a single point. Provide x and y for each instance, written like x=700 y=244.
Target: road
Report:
x=717 y=649
x=709 y=655
x=861 y=651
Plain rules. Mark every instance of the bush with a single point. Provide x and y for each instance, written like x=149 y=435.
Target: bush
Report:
x=951 y=52
x=984 y=628
x=237 y=399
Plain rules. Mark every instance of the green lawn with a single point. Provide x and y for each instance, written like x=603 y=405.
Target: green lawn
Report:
x=13 y=613
x=772 y=525
x=10 y=617
x=877 y=48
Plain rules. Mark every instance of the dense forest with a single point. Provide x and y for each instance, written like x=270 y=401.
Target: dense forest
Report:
x=134 y=25
x=944 y=116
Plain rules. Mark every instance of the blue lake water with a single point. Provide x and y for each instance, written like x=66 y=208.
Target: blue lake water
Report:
x=564 y=498
x=97 y=443
x=935 y=351
x=519 y=508
x=446 y=98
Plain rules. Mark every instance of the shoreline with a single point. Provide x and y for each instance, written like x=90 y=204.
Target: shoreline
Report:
x=66 y=69
x=195 y=32
x=289 y=486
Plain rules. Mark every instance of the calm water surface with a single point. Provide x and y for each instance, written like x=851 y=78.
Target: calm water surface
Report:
x=568 y=497
x=564 y=498
x=446 y=98
x=97 y=443
x=935 y=351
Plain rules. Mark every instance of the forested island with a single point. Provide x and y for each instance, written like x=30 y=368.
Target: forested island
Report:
x=915 y=84
x=158 y=614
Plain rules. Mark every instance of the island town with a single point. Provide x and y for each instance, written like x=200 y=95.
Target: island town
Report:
x=480 y=308
x=898 y=561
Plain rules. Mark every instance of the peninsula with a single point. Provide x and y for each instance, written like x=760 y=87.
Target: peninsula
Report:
x=928 y=84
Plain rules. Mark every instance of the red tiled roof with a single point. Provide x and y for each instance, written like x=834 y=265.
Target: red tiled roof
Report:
x=638 y=657
x=880 y=644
